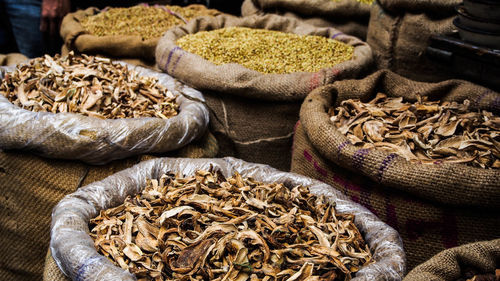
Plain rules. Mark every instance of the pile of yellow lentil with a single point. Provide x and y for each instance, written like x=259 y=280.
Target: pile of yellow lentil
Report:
x=146 y=21
x=267 y=51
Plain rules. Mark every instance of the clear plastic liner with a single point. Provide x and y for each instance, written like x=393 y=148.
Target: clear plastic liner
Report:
x=73 y=248
x=98 y=141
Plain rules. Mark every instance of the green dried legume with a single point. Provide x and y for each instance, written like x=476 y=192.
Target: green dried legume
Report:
x=148 y=22
x=267 y=51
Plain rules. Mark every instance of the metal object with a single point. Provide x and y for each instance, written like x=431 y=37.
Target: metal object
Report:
x=467 y=60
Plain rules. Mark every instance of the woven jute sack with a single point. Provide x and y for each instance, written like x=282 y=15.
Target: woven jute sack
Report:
x=140 y=51
x=12 y=59
x=348 y=16
x=98 y=141
x=253 y=113
x=31 y=186
x=73 y=249
x=399 y=33
x=451 y=264
x=433 y=207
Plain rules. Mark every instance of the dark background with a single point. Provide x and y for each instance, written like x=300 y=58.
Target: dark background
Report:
x=53 y=44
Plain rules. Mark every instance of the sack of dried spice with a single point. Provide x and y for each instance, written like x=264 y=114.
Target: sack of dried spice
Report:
x=253 y=111
x=348 y=16
x=124 y=33
x=88 y=108
x=12 y=59
x=433 y=206
x=479 y=261
x=29 y=200
x=223 y=209
x=399 y=33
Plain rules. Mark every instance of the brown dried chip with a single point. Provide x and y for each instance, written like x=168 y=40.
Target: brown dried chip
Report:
x=207 y=227
x=87 y=85
x=423 y=132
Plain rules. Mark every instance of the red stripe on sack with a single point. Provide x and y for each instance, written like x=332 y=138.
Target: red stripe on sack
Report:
x=391 y=214
x=296 y=126
x=345 y=183
x=335 y=71
x=365 y=200
x=320 y=170
x=313 y=83
x=307 y=155
x=416 y=228
x=450 y=231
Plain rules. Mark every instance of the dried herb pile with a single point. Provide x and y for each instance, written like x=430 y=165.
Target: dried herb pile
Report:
x=87 y=85
x=267 y=51
x=207 y=227
x=145 y=21
x=426 y=132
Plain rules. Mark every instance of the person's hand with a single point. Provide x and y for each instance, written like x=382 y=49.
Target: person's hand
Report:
x=52 y=13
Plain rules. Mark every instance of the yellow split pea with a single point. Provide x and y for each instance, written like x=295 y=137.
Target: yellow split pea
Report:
x=267 y=51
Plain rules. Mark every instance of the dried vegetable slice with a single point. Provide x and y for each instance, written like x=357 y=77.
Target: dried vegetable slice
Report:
x=425 y=132
x=207 y=227
x=87 y=85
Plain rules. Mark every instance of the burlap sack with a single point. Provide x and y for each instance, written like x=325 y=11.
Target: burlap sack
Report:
x=399 y=32
x=97 y=141
x=77 y=39
x=74 y=252
x=253 y=113
x=139 y=62
x=51 y=272
x=12 y=59
x=31 y=186
x=348 y=16
x=451 y=264
x=433 y=207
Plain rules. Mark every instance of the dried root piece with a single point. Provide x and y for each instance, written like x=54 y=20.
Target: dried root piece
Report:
x=425 y=132
x=207 y=227
x=87 y=85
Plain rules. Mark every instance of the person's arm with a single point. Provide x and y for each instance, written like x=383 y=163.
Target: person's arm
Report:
x=52 y=14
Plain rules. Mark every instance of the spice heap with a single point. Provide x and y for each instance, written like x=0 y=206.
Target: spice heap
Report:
x=267 y=51
x=148 y=22
x=473 y=275
x=87 y=85
x=426 y=132
x=369 y=2
x=207 y=227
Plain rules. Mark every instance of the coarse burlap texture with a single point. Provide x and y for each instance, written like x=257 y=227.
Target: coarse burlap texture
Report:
x=12 y=59
x=399 y=33
x=74 y=252
x=76 y=38
x=98 y=141
x=450 y=264
x=348 y=16
x=433 y=207
x=236 y=79
x=31 y=186
x=253 y=113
